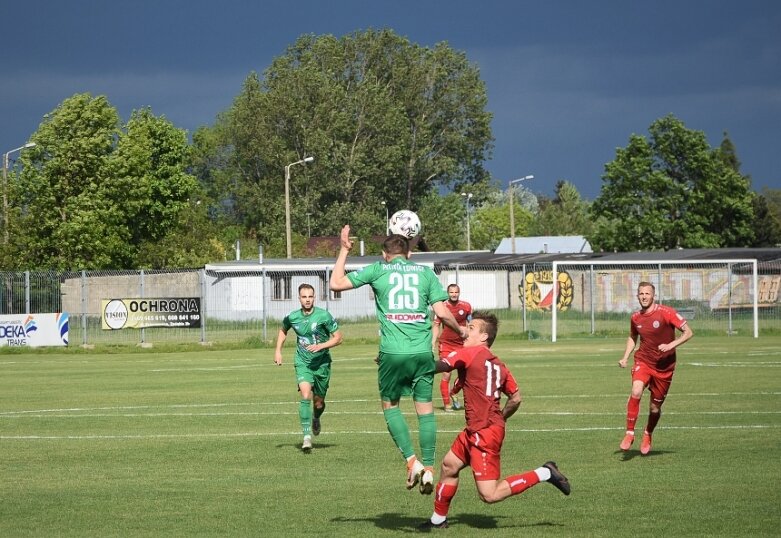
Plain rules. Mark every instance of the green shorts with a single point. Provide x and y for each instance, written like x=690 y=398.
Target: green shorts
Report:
x=319 y=377
x=405 y=375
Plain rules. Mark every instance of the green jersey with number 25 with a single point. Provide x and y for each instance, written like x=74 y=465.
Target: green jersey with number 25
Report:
x=403 y=292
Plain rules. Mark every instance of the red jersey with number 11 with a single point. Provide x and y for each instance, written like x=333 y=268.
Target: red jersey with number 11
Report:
x=484 y=379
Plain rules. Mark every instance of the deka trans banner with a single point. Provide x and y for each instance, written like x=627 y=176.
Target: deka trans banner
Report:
x=34 y=330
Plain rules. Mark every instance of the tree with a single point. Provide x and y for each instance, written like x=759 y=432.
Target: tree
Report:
x=148 y=181
x=671 y=191
x=97 y=194
x=566 y=214
x=386 y=120
x=767 y=222
x=59 y=190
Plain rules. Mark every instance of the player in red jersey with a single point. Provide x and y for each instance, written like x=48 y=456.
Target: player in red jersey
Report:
x=654 y=361
x=446 y=340
x=484 y=378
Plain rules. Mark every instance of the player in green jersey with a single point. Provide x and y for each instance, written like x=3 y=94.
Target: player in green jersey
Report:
x=403 y=293
x=317 y=332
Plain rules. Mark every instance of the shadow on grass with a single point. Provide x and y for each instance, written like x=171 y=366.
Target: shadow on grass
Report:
x=632 y=454
x=404 y=523
x=297 y=446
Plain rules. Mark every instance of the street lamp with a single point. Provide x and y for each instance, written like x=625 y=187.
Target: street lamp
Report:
x=387 y=218
x=468 y=196
x=512 y=208
x=287 y=203
x=5 y=186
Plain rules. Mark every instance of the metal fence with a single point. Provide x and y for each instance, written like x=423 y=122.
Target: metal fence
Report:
x=533 y=301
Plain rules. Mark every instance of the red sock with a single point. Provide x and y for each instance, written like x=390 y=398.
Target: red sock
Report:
x=653 y=418
x=444 y=389
x=443 y=494
x=521 y=482
x=632 y=410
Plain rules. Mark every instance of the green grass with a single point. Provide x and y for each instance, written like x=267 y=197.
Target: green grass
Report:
x=206 y=443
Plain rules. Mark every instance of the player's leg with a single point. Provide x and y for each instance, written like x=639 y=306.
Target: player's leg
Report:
x=444 y=390
x=445 y=490
x=659 y=386
x=422 y=395
x=320 y=389
x=640 y=378
x=305 y=380
x=392 y=378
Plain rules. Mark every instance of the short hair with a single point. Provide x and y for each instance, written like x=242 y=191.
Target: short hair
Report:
x=453 y=286
x=645 y=284
x=395 y=244
x=306 y=286
x=490 y=324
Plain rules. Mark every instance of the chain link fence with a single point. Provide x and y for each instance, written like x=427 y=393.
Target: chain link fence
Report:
x=532 y=300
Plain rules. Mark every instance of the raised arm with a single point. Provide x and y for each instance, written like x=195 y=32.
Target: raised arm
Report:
x=339 y=280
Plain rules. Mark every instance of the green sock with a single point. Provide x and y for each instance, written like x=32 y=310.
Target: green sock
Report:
x=305 y=416
x=399 y=431
x=428 y=438
x=319 y=411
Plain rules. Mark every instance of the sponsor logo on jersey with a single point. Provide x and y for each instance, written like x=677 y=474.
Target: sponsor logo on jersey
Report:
x=411 y=317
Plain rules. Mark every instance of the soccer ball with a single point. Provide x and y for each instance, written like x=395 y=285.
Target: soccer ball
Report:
x=405 y=222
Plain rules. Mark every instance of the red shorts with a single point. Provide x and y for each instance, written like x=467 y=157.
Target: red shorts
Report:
x=481 y=451
x=658 y=383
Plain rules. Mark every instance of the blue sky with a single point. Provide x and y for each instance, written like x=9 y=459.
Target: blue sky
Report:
x=568 y=81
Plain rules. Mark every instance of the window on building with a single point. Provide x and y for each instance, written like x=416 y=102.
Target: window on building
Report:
x=282 y=286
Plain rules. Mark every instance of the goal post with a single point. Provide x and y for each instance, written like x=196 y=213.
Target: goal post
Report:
x=596 y=296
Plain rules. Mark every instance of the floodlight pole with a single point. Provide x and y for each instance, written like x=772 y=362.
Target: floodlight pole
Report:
x=468 y=196
x=5 y=188
x=512 y=209
x=288 y=239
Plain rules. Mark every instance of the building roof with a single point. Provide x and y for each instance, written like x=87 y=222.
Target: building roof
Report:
x=767 y=258
x=545 y=244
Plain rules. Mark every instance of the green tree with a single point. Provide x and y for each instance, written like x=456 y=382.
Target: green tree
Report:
x=71 y=224
x=767 y=223
x=386 y=120
x=671 y=190
x=100 y=196
x=566 y=214
x=148 y=182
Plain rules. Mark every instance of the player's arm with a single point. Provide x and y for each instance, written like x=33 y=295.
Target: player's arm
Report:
x=686 y=334
x=436 y=330
x=339 y=280
x=446 y=317
x=443 y=366
x=281 y=337
x=512 y=404
x=631 y=342
x=335 y=340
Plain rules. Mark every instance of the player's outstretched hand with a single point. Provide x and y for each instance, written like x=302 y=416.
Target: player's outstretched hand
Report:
x=344 y=238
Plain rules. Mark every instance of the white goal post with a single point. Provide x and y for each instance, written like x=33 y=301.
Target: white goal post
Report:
x=724 y=290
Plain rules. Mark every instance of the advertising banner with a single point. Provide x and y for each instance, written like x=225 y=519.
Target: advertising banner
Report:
x=34 y=330
x=176 y=312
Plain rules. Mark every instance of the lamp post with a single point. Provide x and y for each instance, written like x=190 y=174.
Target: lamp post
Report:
x=5 y=187
x=468 y=196
x=512 y=209
x=387 y=218
x=287 y=203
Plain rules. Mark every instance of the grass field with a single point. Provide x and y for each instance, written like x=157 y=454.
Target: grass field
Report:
x=206 y=443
